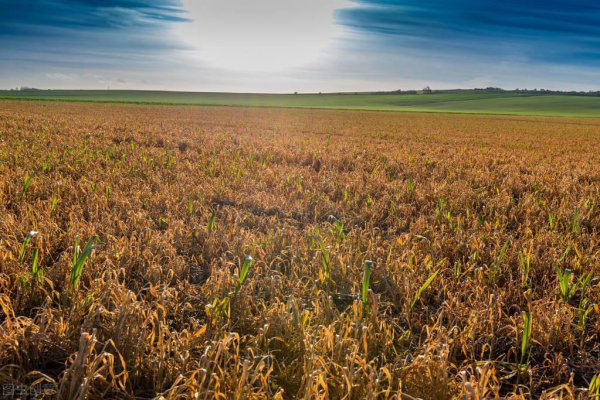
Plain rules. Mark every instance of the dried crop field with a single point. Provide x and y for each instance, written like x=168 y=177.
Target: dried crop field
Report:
x=483 y=232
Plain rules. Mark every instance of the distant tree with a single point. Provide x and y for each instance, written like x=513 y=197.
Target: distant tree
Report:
x=427 y=89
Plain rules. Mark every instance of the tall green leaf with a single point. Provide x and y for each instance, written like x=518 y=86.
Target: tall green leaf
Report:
x=79 y=259
x=423 y=288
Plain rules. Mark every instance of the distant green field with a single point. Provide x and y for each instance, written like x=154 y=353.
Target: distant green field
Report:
x=465 y=102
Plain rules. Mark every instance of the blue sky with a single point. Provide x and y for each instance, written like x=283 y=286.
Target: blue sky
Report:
x=290 y=45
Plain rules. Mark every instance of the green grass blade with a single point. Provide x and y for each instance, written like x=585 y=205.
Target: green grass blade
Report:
x=423 y=288
x=526 y=336
x=79 y=261
x=24 y=246
x=243 y=274
x=35 y=269
x=212 y=221
x=366 y=282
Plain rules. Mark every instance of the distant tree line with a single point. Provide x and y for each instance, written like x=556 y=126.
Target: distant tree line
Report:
x=24 y=89
x=428 y=90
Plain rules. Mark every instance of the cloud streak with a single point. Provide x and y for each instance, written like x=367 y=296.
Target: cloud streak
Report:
x=541 y=31
x=21 y=16
x=45 y=39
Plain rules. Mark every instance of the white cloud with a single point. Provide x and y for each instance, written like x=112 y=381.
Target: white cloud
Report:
x=260 y=35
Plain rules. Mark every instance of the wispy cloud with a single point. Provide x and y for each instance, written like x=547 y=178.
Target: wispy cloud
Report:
x=95 y=30
x=545 y=31
x=21 y=16
x=43 y=40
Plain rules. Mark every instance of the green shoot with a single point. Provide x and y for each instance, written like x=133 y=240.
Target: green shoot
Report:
x=410 y=187
x=439 y=210
x=526 y=340
x=422 y=289
x=162 y=222
x=498 y=261
x=594 y=388
x=365 y=285
x=325 y=261
x=339 y=227
x=565 y=254
x=26 y=183
x=79 y=258
x=46 y=166
x=552 y=220
x=567 y=290
x=170 y=159
x=76 y=251
x=212 y=221
x=243 y=275
x=24 y=246
x=576 y=226
x=37 y=272
x=191 y=208
x=457 y=269
x=525 y=263
x=221 y=306
x=584 y=281
x=53 y=203
x=566 y=286
x=584 y=310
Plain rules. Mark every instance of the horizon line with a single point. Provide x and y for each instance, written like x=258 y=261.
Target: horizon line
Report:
x=390 y=91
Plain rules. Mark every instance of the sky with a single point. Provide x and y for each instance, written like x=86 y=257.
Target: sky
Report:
x=305 y=46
